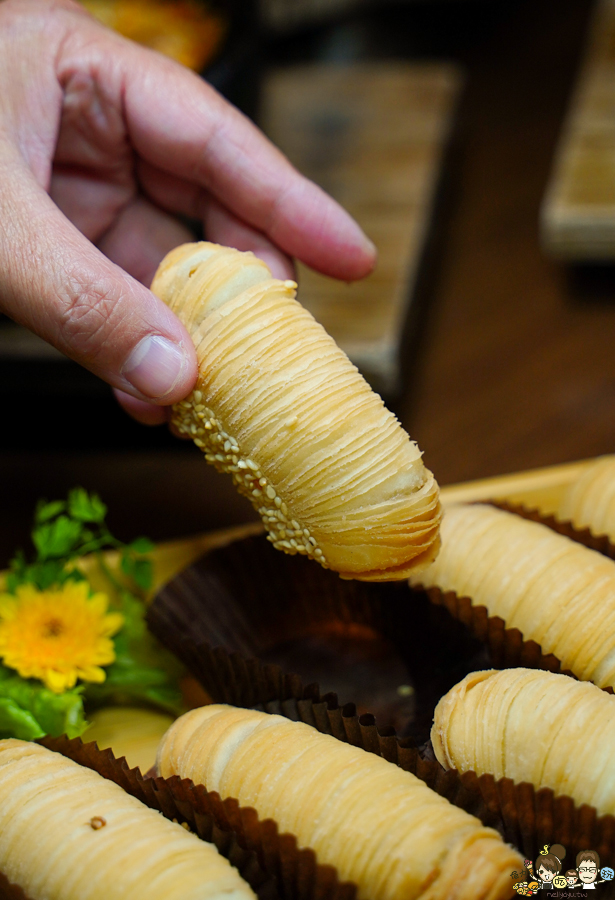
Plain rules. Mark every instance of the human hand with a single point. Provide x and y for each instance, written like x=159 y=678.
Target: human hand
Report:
x=102 y=142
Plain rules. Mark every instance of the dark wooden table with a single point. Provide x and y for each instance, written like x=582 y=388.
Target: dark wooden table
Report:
x=516 y=365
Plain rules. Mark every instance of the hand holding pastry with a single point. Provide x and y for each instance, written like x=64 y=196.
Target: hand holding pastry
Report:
x=102 y=143
x=282 y=409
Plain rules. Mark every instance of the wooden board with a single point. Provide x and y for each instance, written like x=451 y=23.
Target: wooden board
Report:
x=372 y=135
x=578 y=213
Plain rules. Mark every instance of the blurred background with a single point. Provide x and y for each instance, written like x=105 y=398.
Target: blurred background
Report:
x=475 y=142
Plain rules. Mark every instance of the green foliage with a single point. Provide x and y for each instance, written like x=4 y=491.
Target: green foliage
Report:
x=143 y=672
x=66 y=530
x=29 y=710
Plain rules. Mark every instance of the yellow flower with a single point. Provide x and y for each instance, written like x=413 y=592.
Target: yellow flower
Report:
x=57 y=635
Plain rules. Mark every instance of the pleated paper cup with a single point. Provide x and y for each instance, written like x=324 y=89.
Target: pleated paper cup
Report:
x=254 y=626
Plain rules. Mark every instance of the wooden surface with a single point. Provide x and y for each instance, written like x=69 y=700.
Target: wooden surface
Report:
x=372 y=135
x=517 y=368
x=578 y=215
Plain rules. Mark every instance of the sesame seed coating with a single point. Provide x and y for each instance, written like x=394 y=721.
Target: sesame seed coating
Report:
x=204 y=427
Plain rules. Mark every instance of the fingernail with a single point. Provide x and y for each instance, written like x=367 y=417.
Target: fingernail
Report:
x=155 y=366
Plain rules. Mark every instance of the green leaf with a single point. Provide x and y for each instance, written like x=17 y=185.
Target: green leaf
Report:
x=140 y=570
x=86 y=507
x=31 y=705
x=141 y=546
x=143 y=671
x=16 y=722
x=57 y=539
x=45 y=511
x=143 y=573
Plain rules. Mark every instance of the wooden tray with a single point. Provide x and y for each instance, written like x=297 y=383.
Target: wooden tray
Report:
x=135 y=733
x=578 y=213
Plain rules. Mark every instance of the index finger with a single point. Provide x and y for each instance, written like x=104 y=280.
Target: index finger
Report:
x=180 y=124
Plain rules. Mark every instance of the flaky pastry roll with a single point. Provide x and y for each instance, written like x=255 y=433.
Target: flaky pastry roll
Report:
x=534 y=726
x=67 y=833
x=555 y=591
x=589 y=502
x=382 y=828
x=282 y=409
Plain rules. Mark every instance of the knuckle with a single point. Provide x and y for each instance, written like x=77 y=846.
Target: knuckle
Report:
x=91 y=314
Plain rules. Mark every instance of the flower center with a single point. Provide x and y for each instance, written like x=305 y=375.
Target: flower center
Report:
x=53 y=628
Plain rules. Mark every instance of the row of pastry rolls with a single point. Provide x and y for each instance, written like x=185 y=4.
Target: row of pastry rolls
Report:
x=589 y=502
x=531 y=726
x=67 y=833
x=555 y=591
x=279 y=406
x=381 y=827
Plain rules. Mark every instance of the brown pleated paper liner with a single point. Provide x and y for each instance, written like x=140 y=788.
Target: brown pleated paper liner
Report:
x=599 y=542
x=270 y=862
x=9 y=891
x=224 y=612
x=254 y=625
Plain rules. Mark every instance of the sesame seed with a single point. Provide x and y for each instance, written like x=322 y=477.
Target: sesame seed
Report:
x=222 y=450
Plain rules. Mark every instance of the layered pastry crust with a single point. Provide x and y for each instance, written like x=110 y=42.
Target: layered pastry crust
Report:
x=589 y=502
x=555 y=591
x=281 y=408
x=533 y=726
x=66 y=833
x=382 y=828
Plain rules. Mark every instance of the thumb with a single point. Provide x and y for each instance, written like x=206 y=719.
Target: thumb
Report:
x=56 y=283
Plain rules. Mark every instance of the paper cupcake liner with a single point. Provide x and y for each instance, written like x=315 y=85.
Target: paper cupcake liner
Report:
x=253 y=625
x=9 y=891
x=220 y=614
x=270 y=862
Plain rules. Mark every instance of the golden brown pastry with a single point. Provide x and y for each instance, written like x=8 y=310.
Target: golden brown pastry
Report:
x=381 y=827
x=555 y=591
x=66 y=833
x=534 y=726
x=282 y=409
x=589 y=502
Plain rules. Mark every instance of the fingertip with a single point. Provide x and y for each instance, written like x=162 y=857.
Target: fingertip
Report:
x=160 y=369
x=142 y=411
